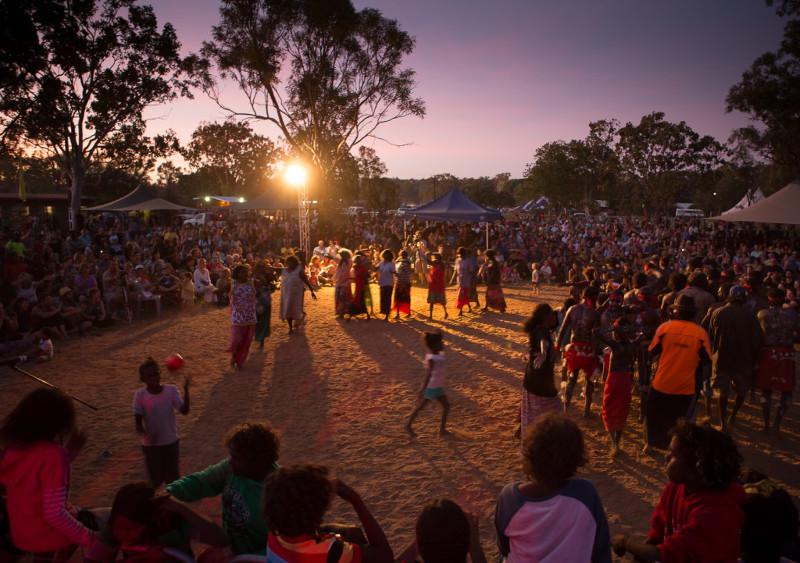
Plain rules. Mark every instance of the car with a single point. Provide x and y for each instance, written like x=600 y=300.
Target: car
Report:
x=689 y=212
x=199 y=219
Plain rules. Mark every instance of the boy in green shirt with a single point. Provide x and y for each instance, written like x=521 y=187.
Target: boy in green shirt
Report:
x=253 y=449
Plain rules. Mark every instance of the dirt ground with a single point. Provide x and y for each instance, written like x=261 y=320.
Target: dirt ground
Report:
x=339 y=393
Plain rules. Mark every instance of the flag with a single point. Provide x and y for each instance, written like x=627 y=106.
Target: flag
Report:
x=23 y=192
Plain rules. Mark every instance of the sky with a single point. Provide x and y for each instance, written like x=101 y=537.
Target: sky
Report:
x=502 y=78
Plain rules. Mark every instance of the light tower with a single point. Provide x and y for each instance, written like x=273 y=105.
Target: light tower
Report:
x=296 y=176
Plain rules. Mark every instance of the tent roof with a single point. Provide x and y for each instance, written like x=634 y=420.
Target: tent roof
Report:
x=454 y=206
x=747 y=200
x=781 y=207
x=271 y=199
x=140 y=199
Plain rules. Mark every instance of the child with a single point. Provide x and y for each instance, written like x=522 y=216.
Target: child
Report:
x=445 y=534
x=433 y=386
x=187 y=290
x=295 y=502
x=617 y=392
x=239 y=480
x=699 y=516
x=154 y=409
x=553 y=516
x=143 y=525
x=35 y=471
x=223 y=288
x=386 y=273
x=436 y=285
x=535 y=278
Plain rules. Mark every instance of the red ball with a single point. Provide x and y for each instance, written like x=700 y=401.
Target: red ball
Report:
x=174 y=362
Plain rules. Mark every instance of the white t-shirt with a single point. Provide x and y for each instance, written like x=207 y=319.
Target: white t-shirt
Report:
x=437 y=371
x=386 y=274
x=158 y=413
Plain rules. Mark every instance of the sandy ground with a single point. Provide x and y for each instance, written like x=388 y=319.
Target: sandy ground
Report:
x=339 y=393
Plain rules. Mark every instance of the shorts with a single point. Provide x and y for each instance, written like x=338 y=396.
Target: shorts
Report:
x=741 y=380
x=580 y=356
x=432 y=393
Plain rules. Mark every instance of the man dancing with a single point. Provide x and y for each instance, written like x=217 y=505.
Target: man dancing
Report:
x=582 y=320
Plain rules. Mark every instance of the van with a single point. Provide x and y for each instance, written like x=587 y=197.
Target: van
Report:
x=199 y=219
x=687 y=212
x=354 y=211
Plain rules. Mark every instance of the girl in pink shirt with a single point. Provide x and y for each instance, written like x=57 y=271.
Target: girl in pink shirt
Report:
x=35 y=470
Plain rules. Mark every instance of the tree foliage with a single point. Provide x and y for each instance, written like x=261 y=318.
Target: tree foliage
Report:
x=232 y=155
x=769 y=92
x=327 y=75
x=643 y=166
x=76 y=76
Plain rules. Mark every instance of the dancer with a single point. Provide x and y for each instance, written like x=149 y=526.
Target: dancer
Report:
x=243 y=315
x=264 y=282
x=360 y=275
x=436 y=292
x=735 y=341
x=582 y=320
x=293 y=286
x=465 y=273
x=341 y=281
x=776 y=368
x=683 y=347
x=386 y=272
x=494 y=291
x=433 y=385
x=617 y=391
x=402 y=288
x=540 y=394
x=154 y=409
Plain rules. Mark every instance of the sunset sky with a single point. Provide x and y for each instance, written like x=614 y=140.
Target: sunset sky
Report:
x=502 y=78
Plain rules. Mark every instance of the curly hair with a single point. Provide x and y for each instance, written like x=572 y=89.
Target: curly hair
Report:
x=713 y=454
x=553 y=450
x=539 y=317
x=148 y=367
x=387 y=255
x=256 y=442
x=42 y=415
x=443 y=533
x=296 y=499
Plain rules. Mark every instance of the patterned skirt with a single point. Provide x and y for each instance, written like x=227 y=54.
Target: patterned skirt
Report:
x=343 y=297
x=534 y=406
x=495 y=298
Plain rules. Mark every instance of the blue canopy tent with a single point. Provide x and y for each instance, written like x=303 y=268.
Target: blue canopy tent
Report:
x=455 y=206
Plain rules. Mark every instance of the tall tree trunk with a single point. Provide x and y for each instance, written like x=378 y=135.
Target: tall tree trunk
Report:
x=77 y=181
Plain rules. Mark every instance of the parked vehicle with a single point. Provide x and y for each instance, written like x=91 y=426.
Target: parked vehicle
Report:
x=689 y=212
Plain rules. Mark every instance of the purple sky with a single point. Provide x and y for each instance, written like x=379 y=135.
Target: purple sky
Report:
x=501 y=79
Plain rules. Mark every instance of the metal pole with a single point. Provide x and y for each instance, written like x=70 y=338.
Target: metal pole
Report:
x=302 y=213
x=48 y=384
x=487 y=235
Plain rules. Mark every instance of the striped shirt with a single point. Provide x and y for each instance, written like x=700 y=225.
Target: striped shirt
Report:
x=310 y=549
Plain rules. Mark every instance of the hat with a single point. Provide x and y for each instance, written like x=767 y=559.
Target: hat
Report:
x=737 y=293
x=684 y=304
x=63 y=291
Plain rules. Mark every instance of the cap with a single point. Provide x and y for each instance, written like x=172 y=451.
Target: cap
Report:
x=737 y=293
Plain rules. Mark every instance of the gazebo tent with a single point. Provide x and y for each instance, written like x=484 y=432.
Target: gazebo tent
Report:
x=781 y=207
x=747 y=200
x=454 y=206
x=140 y=199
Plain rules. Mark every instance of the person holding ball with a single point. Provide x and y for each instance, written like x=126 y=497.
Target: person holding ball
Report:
x=154 y=409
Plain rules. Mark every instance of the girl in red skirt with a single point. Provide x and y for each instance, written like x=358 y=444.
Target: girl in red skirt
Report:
x=617 y=393
x=436 y=285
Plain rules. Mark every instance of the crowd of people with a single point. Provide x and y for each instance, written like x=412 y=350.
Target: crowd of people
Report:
x=688 y=311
